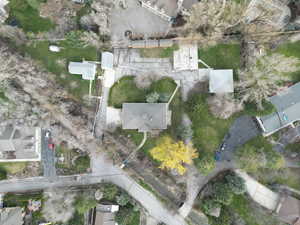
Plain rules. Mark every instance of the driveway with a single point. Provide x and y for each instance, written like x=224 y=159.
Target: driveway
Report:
x=242 y=130
x=48 y=157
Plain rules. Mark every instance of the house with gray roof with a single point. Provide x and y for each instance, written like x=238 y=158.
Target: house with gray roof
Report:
x=145 y=116
x=86 y=69
x=287 y=104
x=11 y=216
x=20 y=144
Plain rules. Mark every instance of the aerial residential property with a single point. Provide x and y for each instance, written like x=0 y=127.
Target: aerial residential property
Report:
x=20 y=144
x=157 y=112
x=286 y=103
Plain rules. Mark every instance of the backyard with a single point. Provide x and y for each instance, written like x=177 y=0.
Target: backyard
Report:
x=222 y=56
x=291 y=49
x=57 y=63
x=25 y=14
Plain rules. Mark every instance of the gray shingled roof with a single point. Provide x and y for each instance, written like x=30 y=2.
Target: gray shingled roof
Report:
x=287 y=104
x=145 y=116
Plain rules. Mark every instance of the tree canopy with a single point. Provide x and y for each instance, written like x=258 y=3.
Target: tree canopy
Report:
x=173 y=155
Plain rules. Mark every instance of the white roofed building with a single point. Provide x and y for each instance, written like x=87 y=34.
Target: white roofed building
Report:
x=107 y=61
x=186 y=58
x=221 y=81
x=86 y=69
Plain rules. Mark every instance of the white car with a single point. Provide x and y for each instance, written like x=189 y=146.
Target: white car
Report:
x=48 y=134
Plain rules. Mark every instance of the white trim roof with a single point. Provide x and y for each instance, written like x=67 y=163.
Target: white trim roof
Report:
x=86 y=69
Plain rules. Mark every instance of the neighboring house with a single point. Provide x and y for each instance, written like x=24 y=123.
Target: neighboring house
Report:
x=288 y=210
x=3 y=11
x=11 y=216
x=19 y=144
x=186 y=57
x=287 y=104
x=86 y=69
x=221 y=81
x=145 y=116
x=104 y=215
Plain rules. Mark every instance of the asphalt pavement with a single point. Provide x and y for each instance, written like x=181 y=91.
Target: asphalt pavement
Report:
x=242 y=130
x=48 y=157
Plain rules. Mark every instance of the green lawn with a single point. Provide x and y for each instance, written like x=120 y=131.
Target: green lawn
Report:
x=209 y=131
x=250 y=214
x=158 y=52
x=125 y=90
x=13 y=167
x=57 y=63
x=26 y=14
x=3 y=98
x=221 y=56
x=80 y=165
x=291 y=49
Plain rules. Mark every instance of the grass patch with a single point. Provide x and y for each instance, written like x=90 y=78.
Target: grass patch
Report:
x=25 y=13
x=252 y=216
x=14 y=200
x=222 y=56
x=293 y=147
x=125 y=90
x=291 y=50
x=13 y=167
x=287 y=176
x=3 y=98
x=80 y=165
x=57 y=63
x=209 y=131
x=158 y=52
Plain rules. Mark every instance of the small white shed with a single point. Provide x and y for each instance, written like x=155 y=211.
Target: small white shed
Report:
x=221 y=81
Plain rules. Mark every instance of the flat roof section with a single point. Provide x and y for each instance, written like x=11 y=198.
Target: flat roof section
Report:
x=221 y=81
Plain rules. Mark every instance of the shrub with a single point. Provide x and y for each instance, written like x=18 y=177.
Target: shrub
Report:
x=84 y=203
x=209 y=204
x=224 y=219
x=152 y=97
x=82 y=163
x=3 y=174
x=184 y=132
x=236 y=183
x=205 y=164
x=110 y=191
x=222 y=193
x=73 y=39
x=123 y=199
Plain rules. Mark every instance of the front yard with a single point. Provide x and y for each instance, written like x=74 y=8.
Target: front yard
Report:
x=57 y=63
x=158 y=52
x=71 y=161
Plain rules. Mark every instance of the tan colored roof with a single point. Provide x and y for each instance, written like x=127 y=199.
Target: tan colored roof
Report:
x=289 y=211
x=11 y=216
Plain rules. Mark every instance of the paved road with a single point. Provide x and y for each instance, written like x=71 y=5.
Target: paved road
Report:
x=103 y=171
x=48 y=157
x=242 y=130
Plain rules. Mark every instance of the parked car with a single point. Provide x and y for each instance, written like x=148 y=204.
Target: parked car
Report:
x=218 y=156
x=48 y=134
x=51 y=146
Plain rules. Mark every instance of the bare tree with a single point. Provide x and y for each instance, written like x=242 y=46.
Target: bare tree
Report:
x=223 y=106
x=209 y=19
x=265 y=77
x=8 y=64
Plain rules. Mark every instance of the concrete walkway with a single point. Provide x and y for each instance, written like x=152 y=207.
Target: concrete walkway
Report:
x=260 y=193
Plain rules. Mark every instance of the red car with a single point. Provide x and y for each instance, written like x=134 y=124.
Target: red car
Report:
x=51 y=146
